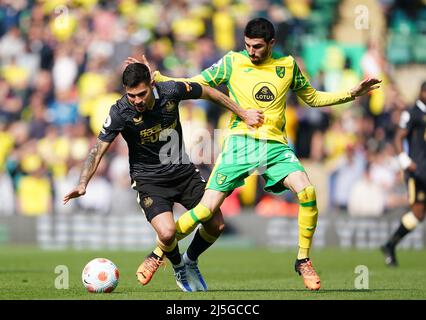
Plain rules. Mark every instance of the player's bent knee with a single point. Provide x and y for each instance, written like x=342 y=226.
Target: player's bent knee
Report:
x=167 y=235
x=215 y=229
x=221 y=227
x=216 y=224
x=419 y=211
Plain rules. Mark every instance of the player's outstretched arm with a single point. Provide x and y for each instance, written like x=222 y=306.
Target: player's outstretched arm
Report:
x=252 y=117
x=301 y=86
x=89 y=168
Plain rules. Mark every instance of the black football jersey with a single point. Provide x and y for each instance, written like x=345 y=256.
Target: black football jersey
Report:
x=414 y=120
x=154 y=137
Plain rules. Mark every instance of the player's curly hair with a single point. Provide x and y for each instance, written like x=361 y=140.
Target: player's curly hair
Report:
x=260 y=28
x=136 y=73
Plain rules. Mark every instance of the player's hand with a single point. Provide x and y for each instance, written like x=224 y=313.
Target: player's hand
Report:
x=365 y=86
x=253 y=118
x=412 y=167
x=131 y=60
x=143 y=60
x=77 y=192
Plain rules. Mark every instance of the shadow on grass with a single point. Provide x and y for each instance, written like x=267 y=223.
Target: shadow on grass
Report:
x=322 y=291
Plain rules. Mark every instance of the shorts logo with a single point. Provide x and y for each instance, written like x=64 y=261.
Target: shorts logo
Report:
x=171 y=105
x=280 y=71
x=147 y=202
x=220 y=178
x=187 y=86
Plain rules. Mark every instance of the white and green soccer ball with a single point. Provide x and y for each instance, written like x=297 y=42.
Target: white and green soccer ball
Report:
x=100 y=275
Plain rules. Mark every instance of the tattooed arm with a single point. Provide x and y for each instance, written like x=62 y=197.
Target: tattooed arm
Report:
x=252 y=117
x=89 y=168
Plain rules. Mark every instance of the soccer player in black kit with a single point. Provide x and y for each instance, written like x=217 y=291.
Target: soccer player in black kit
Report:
x=147 y=117
x=412 y=126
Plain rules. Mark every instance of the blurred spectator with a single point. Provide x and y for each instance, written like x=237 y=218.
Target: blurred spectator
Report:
x=64 y=70
x=7 y=198
x=118 y=172
x=34 y=192
x=63 y=110
x=349 y=171
x=366 y=198
x=12 y=45
x=98 y=197
x=373 y=62
x=37 y=115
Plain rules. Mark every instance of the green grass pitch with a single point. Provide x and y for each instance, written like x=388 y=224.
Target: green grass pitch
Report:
x=231 y=273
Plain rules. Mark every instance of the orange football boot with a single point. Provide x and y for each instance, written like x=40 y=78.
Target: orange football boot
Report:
x=147 y=269
x=310 y=278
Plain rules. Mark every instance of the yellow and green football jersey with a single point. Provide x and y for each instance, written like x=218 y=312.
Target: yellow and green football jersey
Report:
x=263 y=87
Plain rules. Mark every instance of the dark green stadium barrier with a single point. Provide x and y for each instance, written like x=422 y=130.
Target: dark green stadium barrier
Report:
x=419 y=48
x=398 y=50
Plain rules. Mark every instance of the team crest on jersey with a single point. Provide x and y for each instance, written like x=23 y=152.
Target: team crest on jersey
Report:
x=220 y=178
x=421 y=196
x=138 y=120
x=280 y=71
x=147 y=202
x=171 y=105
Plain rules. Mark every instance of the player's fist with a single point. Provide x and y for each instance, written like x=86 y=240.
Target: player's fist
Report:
x=253 y=118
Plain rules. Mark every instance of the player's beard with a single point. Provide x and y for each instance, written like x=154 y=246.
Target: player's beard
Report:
x=260 y=59
x=140 y=107
x=256 y=61
x=264 y=55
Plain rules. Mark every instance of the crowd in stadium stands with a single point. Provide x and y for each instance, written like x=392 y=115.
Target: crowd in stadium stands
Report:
x=60 y=71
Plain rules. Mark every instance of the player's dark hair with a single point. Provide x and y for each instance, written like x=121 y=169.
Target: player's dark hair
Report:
x=423 y=86
x=260 y=28
x=135 y=74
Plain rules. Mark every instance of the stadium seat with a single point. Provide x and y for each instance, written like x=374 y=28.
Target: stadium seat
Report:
x=419 y=48
x=398 y=49
x=421 y=21
x=400 y=23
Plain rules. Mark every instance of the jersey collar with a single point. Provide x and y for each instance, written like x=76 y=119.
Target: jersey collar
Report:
x=156 y=95
x=421 y=106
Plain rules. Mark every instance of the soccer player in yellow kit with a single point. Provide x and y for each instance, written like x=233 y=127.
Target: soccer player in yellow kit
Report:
x=260 y=78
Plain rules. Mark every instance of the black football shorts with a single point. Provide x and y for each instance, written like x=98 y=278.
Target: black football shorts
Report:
x=416 y=190
x=158 y=197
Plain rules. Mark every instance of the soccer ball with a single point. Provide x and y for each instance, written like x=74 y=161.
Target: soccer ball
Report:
x=100 y=275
